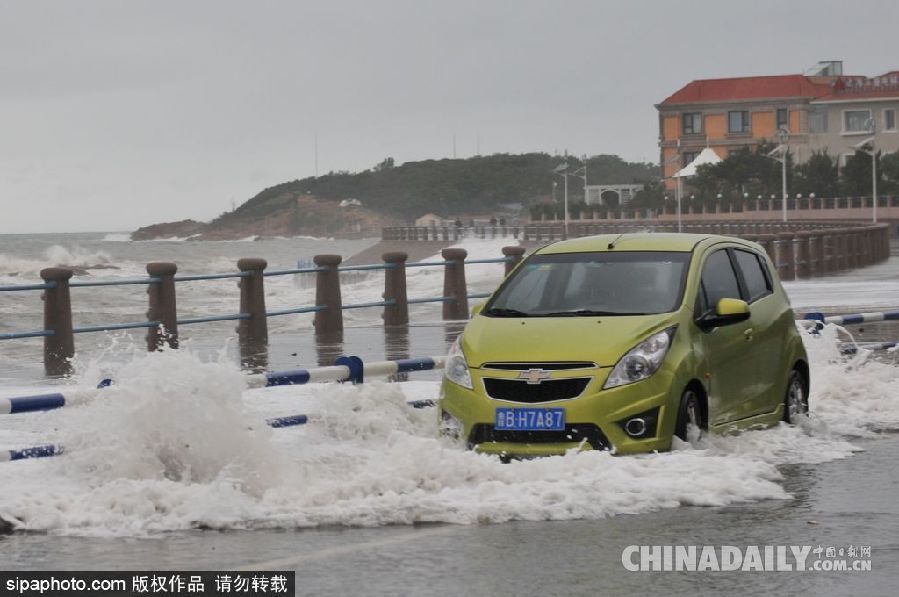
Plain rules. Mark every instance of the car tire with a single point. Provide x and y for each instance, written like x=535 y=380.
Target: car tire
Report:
x=689 y=414
x=796 y=398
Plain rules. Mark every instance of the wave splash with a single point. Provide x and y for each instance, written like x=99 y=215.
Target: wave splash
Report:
x=181 y=444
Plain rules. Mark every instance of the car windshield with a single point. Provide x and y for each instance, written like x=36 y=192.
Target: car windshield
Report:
x=583 y=284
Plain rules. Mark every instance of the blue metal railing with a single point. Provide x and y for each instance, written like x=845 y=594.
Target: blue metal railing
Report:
x=19 y=335
x=211 y=277
x=210 y=318
x=85 y=284
x=18 y=287
x=114 y=326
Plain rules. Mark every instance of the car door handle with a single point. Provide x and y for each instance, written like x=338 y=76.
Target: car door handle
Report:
x=748 y=334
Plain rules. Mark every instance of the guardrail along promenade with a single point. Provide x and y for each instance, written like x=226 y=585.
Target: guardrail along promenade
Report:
x=162 y=321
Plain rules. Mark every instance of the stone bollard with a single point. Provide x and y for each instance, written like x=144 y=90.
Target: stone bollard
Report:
x=767 y=243
x=801 y=254
x=783 y=247
x=60 y=347
x=327 y=294
x=454 y=285
x=816 y=254
x=395 y=289
x=828 y=254
x=842 y=252
x=252 y=332
x=163 y=307
x=513 y=257
x=852 y=252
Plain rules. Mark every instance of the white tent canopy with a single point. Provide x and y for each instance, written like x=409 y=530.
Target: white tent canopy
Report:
x=706 y=156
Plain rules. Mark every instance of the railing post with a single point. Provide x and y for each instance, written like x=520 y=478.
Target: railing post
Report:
x=802 y=255
x=162 y=307
x=454 y=285
x=252 y=332
x=784 y=248
x=60 y=347
x=327 y=294
x=513 y=257
x=395 y=289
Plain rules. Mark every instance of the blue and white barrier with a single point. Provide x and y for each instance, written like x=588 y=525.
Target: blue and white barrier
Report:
x=51 y=450
x=348 y=368
x=24 y=404
x=852 y=319
x=352 y=369
x=853 y=348
x=35 y=452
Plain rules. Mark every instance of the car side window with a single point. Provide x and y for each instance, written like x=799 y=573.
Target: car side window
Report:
x=719 y=279
x=756 y=281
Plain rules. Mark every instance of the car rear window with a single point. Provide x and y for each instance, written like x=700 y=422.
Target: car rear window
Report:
x=756 y=281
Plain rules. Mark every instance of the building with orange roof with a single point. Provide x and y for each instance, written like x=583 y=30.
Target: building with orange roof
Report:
x=822 y=110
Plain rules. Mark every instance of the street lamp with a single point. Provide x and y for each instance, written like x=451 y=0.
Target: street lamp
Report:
x=562 y=170
x=779 y=154
x=678 y=191
x=871 y=127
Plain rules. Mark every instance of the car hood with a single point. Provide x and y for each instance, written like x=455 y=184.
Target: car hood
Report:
x=602 y=340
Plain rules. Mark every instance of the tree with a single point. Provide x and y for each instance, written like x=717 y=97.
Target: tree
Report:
x=855 y=178
x=889 y=167
x=385 y=164
x=819 y=175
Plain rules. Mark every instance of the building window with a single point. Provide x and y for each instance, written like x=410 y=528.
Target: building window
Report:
x=854 y=121
x=692 y=123
x=889 y=120
x=738 y=121
x=783 y=118
x=817 y=119
x=689 y=156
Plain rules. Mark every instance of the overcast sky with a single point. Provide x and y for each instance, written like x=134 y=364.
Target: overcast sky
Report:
x=119 y=114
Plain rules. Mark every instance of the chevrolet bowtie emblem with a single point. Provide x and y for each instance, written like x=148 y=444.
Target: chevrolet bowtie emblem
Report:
x=534 y=376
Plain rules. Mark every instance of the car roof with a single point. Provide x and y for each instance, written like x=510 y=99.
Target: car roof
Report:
x=636 y=241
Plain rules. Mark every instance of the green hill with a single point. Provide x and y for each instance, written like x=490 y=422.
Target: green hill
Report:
x=393 y=195
x=447 y=187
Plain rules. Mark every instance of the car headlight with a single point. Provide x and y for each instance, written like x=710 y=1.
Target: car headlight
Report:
x=642 y=361
x=456 y=369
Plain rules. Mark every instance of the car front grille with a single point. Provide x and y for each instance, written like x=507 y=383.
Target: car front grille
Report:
x=514 y=390
x=485 y=433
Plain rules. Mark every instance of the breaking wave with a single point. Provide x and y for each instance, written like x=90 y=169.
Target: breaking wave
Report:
x=180 y=443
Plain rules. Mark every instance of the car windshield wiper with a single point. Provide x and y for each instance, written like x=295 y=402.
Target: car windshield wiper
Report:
x=583 y=313
x=502 y=312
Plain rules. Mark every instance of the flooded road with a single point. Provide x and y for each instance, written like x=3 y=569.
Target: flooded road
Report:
x=170 y=471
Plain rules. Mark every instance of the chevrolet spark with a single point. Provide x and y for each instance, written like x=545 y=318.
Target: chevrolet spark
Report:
x=622 y=343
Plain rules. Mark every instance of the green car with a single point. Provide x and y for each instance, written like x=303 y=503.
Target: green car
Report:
x=622 y=343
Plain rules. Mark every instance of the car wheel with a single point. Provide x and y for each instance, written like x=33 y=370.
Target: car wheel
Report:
x=796 y=400
x=689 y=417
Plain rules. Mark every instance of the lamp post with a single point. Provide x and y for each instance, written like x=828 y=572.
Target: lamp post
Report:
x=783 y=135
x=562 y=170
x=678 y=190
x=871 y=125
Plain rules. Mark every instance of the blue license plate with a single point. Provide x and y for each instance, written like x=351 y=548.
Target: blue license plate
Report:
x=530 y=419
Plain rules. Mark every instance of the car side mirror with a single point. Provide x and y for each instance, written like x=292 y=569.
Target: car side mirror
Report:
x=727 y=311
x=477 y=308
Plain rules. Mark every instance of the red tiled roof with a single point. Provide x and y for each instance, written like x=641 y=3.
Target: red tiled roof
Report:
x=860 y=94
x=746 y=88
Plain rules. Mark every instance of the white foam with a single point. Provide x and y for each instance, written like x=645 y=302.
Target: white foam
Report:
x=179 y=444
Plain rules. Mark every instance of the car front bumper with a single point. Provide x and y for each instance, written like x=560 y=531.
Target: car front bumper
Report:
x=594 y=420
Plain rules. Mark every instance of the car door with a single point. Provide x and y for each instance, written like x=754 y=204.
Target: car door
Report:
x=727 y=349
x=767 y=336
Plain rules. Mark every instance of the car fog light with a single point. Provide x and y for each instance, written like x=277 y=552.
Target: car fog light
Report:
x=635 y=427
